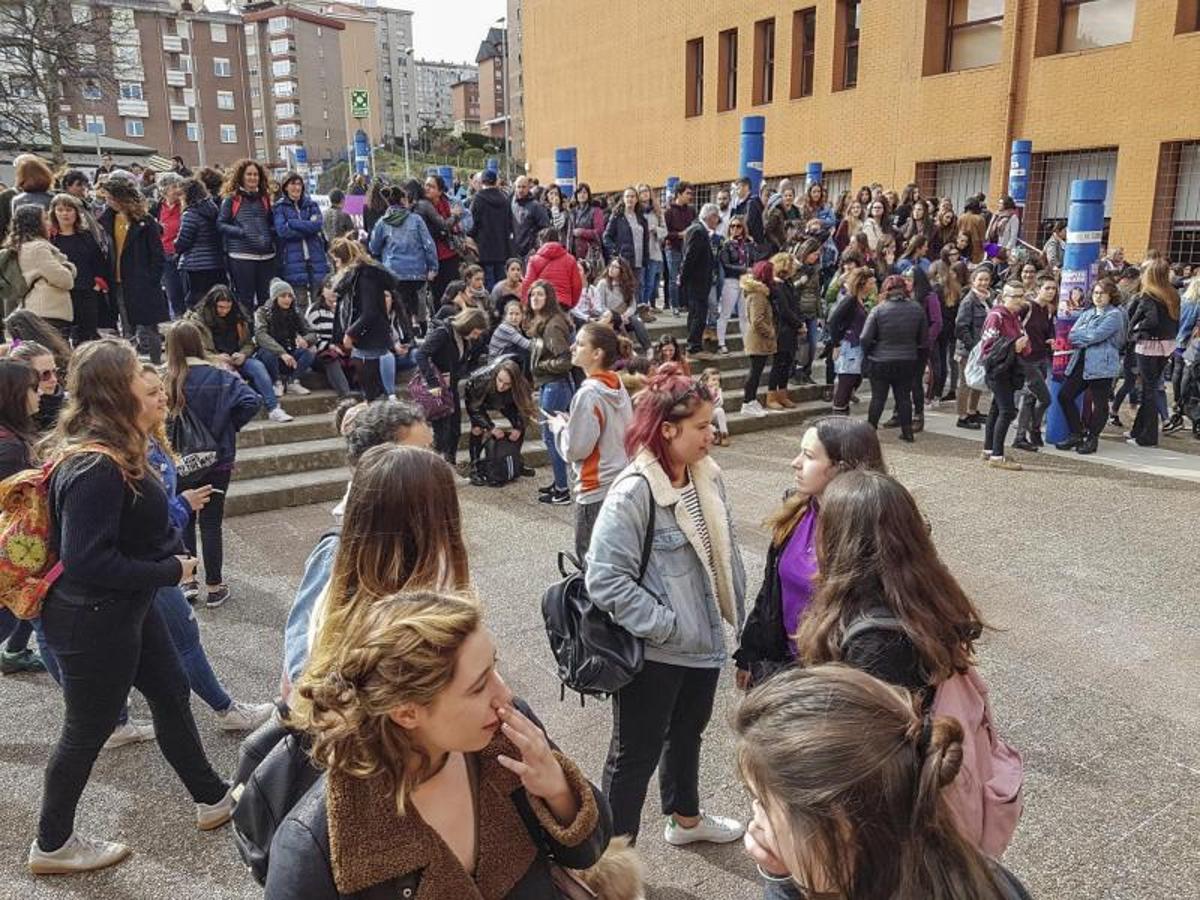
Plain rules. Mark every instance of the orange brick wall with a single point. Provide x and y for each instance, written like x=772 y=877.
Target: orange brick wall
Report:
x=617 y=94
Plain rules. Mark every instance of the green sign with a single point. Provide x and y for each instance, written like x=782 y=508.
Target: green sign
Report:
x=360 y=106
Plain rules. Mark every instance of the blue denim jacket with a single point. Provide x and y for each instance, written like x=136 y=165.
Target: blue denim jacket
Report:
x=1101 y=332
x=678 y=607
x=317 y=570
x=406 y=248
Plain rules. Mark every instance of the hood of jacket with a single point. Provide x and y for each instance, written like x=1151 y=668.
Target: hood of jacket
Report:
x=395 y=216
x=751 y=285
x=551 y=251
x=609 y=388
x=493 y=197
x=205 y=209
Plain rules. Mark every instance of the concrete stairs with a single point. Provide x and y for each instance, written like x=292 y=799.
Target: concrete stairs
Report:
x=304 y=461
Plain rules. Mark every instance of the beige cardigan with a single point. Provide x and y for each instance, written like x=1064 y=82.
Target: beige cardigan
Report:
x=50 y=276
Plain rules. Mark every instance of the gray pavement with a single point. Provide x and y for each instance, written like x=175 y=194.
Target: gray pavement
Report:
x=1087 y=573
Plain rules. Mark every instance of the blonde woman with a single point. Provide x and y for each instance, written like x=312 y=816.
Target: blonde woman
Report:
x=656 y=233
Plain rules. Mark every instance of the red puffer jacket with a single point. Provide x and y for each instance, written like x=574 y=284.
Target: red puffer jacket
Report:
x=554 y=264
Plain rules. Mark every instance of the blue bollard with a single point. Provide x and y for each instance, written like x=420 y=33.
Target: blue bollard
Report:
x=566 y=170
x=752 y=144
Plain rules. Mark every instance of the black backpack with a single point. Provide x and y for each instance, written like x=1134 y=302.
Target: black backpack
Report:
x=595 y=656
x=501 y=460
x=274 y=773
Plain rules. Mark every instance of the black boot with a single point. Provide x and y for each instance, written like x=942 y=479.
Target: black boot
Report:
x=893 y=422
x=1175 y=423
x=1089 y=444
x=1070 y=443
x=1022 y=443
x=1035 y=437
x=906 y=435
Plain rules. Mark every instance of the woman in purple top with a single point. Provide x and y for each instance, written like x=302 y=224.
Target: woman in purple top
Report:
x=832 y=445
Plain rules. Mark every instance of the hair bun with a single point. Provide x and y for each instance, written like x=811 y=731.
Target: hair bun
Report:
x=945 y=749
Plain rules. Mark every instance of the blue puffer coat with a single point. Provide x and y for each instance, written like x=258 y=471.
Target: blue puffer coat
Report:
x=299 y=227
x=249 y=228
x=198 y=243
x=1099 y=334
x=401 y=241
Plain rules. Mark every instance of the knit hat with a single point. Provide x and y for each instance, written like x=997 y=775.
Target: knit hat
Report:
x=278 y=288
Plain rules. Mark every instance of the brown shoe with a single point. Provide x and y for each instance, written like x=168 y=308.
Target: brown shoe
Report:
x=918 y=424
x=1003 y=462
x=773 y=403
x=788 y=402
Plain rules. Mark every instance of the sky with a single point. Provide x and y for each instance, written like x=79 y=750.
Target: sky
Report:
x=449 y=30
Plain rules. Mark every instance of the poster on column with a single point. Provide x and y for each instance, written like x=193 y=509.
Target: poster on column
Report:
x=1073 y=292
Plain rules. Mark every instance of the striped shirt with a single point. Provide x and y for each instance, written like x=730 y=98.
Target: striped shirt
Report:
x=691 y=502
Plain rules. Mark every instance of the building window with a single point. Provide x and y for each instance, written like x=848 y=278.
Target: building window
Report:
x=1175 y=226
x=193 y=132
x=131 y=90
x=1087 y=24
x=94 y=124
x=694 y=78
x=225 y=100
x=284 y=88
x=278 y=25
x=127 y=58
x=92 y=91
x=189 y=97
x=283 y=67
x=727 y=62
x=764 y=61
x=1048 y=197
x=804 y=42
x=955 y=179
x=221 y=67
x=285 y=110
x=282 y=46
x=217 y=30
x=251 y=47
x=1187 y=17
x=845 y=63
x=228 y=134
x=974 y=34
x=134 y=128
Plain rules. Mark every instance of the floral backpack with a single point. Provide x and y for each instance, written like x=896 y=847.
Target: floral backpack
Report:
x=28 y=565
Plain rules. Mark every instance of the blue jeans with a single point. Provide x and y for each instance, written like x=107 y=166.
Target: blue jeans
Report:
x=185 y=635
x=673 y=259
x=260 y=379
x=492 y=272
x=650 y=272
x=780 y=890
x=555 y=396
x=173 y=284
x=10 y=625
x=304 y=360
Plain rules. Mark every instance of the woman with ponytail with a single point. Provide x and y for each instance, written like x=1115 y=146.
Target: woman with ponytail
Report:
x=848 y=776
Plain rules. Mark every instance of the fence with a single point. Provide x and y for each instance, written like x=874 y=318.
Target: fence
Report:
x=1175 y=224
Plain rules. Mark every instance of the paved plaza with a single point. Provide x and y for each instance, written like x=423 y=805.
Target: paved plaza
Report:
x=1087 y=572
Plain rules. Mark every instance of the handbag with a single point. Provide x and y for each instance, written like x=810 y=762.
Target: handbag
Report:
x=434 y=407
x=195 y=446
x=973 y=372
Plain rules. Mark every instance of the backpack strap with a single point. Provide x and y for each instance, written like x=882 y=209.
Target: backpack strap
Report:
x=648 y=538
x=875 y=618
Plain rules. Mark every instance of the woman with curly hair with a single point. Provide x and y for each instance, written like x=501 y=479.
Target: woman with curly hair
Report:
x=246 y=224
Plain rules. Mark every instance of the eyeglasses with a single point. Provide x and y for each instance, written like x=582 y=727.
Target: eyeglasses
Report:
x=47 y=375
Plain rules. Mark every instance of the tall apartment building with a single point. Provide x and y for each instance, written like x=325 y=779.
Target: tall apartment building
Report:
x=433 y=91
x=516 y=79
x=298 y=96
x=491 y=61
x=181 y=85
x=464 y=98
x=398 y=67
x=930 y=91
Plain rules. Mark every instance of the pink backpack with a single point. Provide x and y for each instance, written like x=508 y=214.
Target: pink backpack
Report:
x=986 y=796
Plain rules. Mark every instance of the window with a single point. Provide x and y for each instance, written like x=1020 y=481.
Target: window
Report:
x=1087 y=24
x=228 y=134
x=225 y=100
x=250 y=29
x=185 y=63
x=221 y=67
x=91 y=91
x=24 y=88
x=86 y=54
x=1175 y=227
x=281 y=46
x=127 y=58
x=286 y=132
x=251 y=46
x=183 y=28
x=804 y=42
x=285 y=110
x=131 y=90
x=255 y=92
x=1049 y=194
x=189 y=98
x=284 y=89
x=93 y=124
x=845 y=64
x=217 y=31
x=282 y=67
x=193 y=132
x=974 y=34
x=956 y=179
x=278 y=25
x=135 y=128
x=764 y=61
x=694 y=78
x=727 y=52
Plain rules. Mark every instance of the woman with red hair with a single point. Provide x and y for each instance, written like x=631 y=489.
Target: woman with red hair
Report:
x=677 y=598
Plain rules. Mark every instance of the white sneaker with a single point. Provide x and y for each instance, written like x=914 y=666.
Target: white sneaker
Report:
x=393 y=398
x=753 y=409
x=244 y=716
x=279 y=415
x=715 y=829
x=213 y=816
x=132 y=732
x=279 y=389
x=297 y=388
x=78 y=854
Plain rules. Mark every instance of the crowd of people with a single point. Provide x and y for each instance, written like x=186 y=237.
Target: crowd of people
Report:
x=531 y=307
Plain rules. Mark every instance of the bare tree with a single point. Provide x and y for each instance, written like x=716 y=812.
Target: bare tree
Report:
x=52 y=51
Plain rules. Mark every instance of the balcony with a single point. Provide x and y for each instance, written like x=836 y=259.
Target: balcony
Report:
x=176 y=77
x=179 y=113
x=137 y=108
x=172 y=43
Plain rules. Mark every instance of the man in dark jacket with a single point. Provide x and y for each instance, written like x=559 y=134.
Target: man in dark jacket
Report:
x=679 y=216
x=492 y=227
x=696 y=270
x=528 y=218
x=750 y=207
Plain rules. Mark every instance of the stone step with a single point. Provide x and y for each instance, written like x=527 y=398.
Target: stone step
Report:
x=277 y=475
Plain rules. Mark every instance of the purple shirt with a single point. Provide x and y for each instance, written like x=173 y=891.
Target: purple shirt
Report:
x=797 y=566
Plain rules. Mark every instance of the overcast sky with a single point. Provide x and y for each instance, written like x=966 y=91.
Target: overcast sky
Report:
x=450 y=30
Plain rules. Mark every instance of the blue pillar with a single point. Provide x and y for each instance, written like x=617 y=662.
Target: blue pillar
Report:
x=492 y=164
x=362 y=152
x=812 y=174
x=1018 y=172
x=751 y=165
x=1085 y=227
x=447 y=173
x=566 y=170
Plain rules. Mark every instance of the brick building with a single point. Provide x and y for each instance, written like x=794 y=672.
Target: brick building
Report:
x=491 y=61
x=932 y=91
x=464 y=99
x=434 y=106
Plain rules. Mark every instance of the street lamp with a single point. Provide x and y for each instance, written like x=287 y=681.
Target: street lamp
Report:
x=502 y=21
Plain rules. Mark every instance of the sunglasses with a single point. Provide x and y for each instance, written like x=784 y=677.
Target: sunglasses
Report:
x=47 y=375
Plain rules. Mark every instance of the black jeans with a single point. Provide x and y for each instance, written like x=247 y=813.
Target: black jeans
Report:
x=843 y=389
x=757 y=363
x=1100 y=390
x=103 y=651
x=447 y=431
x=897 y=377
x=447 y=272
x=1145 y=424
x=1001 y=413
x=918 y=384
x=781 y=369
x=251 y=280
x=1129 y=386
x=211 y=518
x=85 y=303
x=1035 y=397
x=697 y=316
x=331 y=367
x=658 y=721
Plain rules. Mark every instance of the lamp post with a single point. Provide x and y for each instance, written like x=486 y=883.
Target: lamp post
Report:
x=503 y=21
